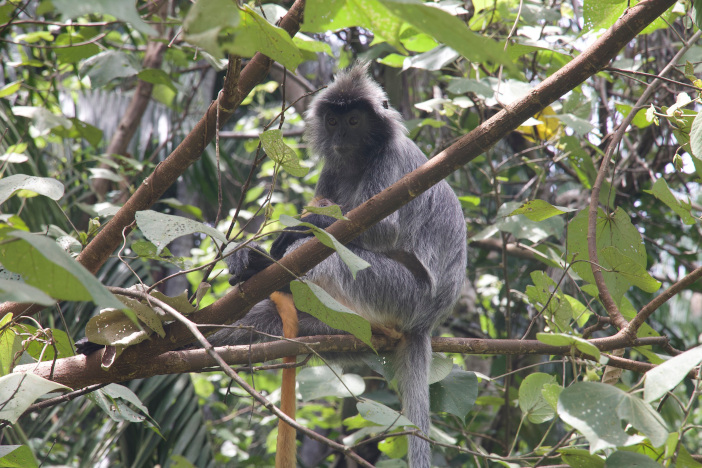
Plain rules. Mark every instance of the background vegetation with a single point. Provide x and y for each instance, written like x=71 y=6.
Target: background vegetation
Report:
x=550 y=120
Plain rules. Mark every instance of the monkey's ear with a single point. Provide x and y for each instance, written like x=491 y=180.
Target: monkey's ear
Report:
x=246 y=261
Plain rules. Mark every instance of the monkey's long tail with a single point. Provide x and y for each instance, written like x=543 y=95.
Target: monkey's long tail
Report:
x=286 y=448
x=412 y=360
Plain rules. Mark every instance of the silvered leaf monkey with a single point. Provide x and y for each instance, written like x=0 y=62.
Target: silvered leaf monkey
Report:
x=417 y=254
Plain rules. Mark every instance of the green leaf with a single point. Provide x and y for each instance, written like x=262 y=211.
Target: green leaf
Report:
x=469 y=201
x=161 y=228
x=382 y=415
x=602 y=14
x=156 y=76
x=18 y=391
x=353 y=261
x=123 y=10
x=581 y=127
x=665 y=377
x=278 y=151
x=321 y=381
x=439 y=368
x=206 y=19
x=307 y=44
x=697 y=13
x=622 y=459
x=545 y=295
x=45 y=350
x=317 y=302
x=538 y=210
x=531 y=400
x=629 y=269
x=325 y=15
x=579 y=458
x=220 y=34
x=68 y=53
x=333 y=211
x=178 y=205
x=662 y=192
x=455 y=394
x=17 y=456
x=393 y=447
x=113 y=400
x=614 y=230
x=44 y=265
x=551 y=392
x=560 y=339
x=17 y=291
x=449 y=30
x=10 y=88
x=10 y=345
x=597 y=411
x=107 y=66
x=43 y=120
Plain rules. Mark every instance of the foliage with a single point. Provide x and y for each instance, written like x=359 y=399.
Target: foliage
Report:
x=74 y=70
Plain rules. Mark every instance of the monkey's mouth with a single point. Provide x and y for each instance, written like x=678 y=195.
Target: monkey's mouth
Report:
x=345 y=150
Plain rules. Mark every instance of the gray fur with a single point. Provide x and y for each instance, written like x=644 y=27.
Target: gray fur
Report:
x=359 y=163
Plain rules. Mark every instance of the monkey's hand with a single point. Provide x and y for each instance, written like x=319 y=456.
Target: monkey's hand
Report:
x=294 y=233
x=246 y=262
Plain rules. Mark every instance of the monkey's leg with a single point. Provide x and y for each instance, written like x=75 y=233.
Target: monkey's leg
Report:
x=285 y=456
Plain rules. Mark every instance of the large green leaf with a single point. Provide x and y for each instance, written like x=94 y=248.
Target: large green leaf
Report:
x=44 y=265
x=449 y=30
x=46 y=186
x=455 y=394
x=161 y=228
x=276 y=149
x=353 y=261
x=622 y=459
x=107 y=66
x=321 y=381
x=538 y=210
x=17 y=456
x=325 y=15
x=662 y=192
x=597 y=411
x=575 y=342
x=317 y=302
x=124 y=10
x=621 y=267
x=220 y=28
x=382 y=415
x=531 y=399
x=665 y=377
x=18 y=391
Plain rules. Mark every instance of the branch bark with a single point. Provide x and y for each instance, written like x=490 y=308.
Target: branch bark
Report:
x=153 y=58
x=80 y=371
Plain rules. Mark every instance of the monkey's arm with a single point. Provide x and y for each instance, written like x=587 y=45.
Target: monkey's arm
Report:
x=245 y=262
x=294 y=233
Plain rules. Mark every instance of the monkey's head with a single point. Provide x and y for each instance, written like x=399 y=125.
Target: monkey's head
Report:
x=351 y=120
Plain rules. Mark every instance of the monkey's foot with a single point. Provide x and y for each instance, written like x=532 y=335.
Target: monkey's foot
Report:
x=390 y=332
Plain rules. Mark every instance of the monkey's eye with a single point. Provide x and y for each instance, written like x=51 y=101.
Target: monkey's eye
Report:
x=331 y=121
x=353 y=120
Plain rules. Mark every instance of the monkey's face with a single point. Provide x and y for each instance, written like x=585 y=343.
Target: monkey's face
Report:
x=347 y=131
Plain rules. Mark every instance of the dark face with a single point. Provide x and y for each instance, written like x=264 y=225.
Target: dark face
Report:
x=347 y=130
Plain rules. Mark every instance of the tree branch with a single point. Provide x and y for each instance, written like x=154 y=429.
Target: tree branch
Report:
x=131 y=119
x=81 y=371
